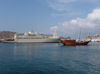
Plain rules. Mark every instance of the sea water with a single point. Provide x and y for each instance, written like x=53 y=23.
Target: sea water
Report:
x=49 y=58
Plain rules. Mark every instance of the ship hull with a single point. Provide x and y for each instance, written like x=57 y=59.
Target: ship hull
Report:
x=95 y=40
x=37 y=41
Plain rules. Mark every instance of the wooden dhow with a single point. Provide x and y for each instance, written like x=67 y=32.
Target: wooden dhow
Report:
x=73 y=42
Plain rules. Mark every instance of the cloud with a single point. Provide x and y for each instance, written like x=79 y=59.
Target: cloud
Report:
x=89 y=24
x=67 y=14
x=94 y=0
x=95 y=15
x=59 y=5
x=63 y=5
x=70 y=8
x=66 y=1
x=56 y=5
x=56 y=14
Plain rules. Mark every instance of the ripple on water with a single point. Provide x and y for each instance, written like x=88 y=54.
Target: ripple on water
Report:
x=49 y=59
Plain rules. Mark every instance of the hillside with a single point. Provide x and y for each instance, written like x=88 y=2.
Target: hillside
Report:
x=6 y=34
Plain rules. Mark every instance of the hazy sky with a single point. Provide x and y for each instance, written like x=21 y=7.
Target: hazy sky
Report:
x=66 y=16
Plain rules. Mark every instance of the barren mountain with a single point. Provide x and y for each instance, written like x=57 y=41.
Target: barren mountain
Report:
x=6 y=34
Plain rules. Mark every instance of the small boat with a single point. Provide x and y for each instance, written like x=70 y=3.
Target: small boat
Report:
x=73 y=42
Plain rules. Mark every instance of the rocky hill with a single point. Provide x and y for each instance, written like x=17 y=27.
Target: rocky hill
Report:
x=6 y=34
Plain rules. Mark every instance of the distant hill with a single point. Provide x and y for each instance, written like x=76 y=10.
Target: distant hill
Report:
x=6 y=34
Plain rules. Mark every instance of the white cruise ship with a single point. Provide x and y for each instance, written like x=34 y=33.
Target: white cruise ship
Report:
x=96 y=38
x=32 y=37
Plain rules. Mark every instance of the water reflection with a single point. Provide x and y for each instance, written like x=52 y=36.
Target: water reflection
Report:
x=32 y=50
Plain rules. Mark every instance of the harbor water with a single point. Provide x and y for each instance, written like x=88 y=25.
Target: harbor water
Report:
x=49 y=58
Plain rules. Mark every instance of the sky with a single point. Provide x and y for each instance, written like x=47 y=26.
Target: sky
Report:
x=67 y=17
